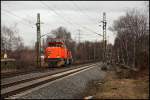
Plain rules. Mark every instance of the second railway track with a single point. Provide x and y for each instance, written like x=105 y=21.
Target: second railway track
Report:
x=23 y=85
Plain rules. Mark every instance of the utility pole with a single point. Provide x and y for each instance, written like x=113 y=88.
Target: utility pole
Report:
x=79 y=43
x=43 y=43
x=94 y=49
x=104 y=43
x=38 y=43
x=104 y=37
x=79 y=36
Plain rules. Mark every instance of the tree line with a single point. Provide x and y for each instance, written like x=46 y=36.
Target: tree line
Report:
x=131 y=45
x=82 y=51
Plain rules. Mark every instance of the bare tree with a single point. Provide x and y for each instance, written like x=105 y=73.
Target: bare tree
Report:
x=131 y=30
x=82 y=51
x=9 y=39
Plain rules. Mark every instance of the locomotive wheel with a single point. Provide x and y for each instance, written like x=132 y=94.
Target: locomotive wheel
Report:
x=52 y=64
x=49 y=65
x=70 y=61
x=65 y=64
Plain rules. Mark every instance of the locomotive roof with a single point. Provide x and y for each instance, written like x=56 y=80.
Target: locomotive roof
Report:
x=55 y=40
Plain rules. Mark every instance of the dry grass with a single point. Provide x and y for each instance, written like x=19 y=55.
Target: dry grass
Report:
x=120 y=86
x=124 y=89
x=123 y=86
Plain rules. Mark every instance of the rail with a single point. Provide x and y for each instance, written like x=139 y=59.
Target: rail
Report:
x=8 y=60
x=12 y=90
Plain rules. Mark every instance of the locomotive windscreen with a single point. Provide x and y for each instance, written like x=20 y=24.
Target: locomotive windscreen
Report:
x=55 y=42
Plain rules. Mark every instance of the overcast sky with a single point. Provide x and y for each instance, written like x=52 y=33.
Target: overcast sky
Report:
x=72 y=15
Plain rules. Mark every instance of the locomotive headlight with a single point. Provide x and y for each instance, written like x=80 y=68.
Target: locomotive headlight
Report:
x=58 y=56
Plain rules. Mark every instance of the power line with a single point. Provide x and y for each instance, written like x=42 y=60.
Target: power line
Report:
x=85 y=34
x=65 y=19
x=17 y=15
x=48 y=8
x=51 y=9
x=85 y=15
x=9 y=12
x=81 y=11
x=92 y=31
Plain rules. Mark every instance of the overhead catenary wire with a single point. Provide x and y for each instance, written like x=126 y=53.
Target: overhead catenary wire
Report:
x=59 y=15
x=86 y=16
x=9 y=12
x=26 y=20
x=51 y=9
x=81 y=11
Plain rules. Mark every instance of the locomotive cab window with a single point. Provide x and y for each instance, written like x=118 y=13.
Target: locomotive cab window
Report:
x=55 y=45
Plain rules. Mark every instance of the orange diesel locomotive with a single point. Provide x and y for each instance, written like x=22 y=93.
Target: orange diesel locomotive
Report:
x=57 y=54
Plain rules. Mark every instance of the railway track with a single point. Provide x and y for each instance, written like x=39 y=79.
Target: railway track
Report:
x=46 y=73
x=34 y=70
x=15 y=88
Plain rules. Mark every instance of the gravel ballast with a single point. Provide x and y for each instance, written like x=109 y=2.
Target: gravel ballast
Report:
x=69 y=87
